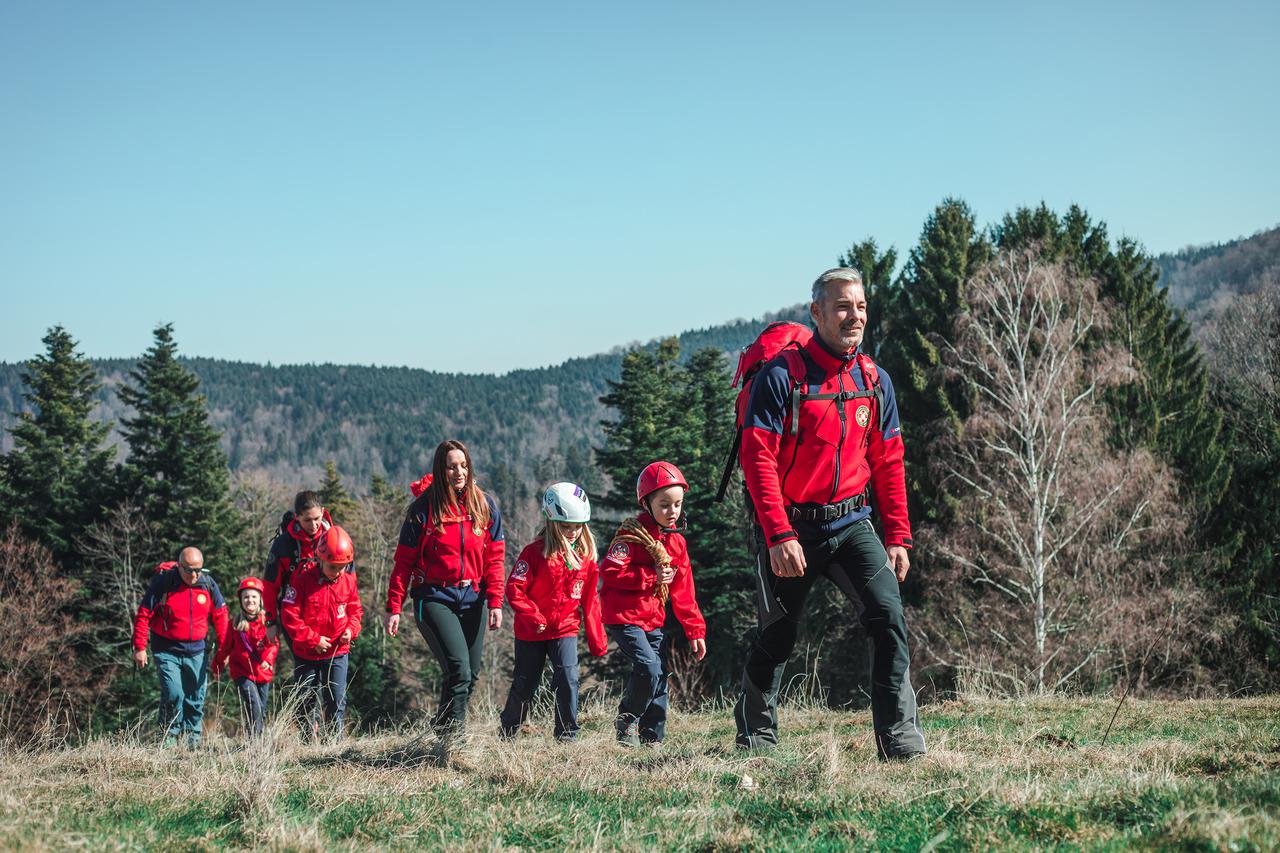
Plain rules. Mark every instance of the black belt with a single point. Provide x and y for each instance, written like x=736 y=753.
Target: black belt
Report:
x=827 y=512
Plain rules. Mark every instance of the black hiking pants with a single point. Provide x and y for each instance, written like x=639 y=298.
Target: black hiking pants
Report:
x=855 y=561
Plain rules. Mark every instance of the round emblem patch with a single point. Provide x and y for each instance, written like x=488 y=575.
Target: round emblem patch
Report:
x=620 y=551
x=200 y=598
x=863 y=415
x=521 y=569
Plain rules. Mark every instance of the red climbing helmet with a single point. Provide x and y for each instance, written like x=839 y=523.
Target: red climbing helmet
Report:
x=251 y=583
x=335 y=547
x=658 y=475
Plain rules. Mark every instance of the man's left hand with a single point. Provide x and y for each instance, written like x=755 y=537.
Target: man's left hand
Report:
x=899 y=560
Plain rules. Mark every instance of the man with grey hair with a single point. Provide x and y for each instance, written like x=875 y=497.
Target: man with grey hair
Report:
x=821 y=445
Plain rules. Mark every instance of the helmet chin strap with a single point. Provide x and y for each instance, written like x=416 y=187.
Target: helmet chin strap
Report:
x=682 y=523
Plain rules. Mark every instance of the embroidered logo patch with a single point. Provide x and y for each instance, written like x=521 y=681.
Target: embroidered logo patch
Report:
x=577 y=590
x=620 y=551
x=290 y=595
x=200 y=598
x=342 y=611
x=521 y=570
x=863 y=415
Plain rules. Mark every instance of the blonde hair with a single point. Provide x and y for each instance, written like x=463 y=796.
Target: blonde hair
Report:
x=575 y=553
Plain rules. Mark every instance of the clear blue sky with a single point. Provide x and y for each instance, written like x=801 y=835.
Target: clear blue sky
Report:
x=481 y=186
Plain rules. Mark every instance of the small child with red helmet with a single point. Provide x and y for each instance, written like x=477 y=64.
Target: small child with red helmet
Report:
x=321 y=614
x=553 y=581
x=648 y=565
x=251 y=655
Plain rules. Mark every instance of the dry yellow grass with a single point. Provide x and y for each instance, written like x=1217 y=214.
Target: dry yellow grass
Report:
x=1029 y=775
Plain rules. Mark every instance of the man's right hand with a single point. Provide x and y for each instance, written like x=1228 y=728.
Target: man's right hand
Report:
x=140 y=657
x=787 y=559
x=392 y=621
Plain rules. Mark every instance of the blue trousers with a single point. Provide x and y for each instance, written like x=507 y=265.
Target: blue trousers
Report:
x=253 y=699
x=322 y=685
x=644 y=697
x=525 y=678
x=183 y=679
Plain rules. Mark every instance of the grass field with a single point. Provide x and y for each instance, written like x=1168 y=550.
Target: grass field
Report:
x=1200 y=775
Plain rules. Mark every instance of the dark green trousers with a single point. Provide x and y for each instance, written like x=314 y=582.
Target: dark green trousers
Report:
x=856 y=562
x=455 y=635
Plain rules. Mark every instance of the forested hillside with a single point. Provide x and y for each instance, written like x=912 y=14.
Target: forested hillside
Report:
x=288 y=420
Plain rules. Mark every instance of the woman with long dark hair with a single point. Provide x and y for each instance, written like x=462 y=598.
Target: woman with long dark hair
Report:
x=450 y=561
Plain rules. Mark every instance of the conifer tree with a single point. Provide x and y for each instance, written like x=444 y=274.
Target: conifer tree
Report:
x=335 y=496
x=923 y=304
x=877 y=283
x=58 y=476
x=177 y=471
x=644 y=398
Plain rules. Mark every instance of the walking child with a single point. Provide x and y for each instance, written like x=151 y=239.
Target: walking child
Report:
x=321 y=614
x=551 y=589
x=648 y=566
x=250 y=653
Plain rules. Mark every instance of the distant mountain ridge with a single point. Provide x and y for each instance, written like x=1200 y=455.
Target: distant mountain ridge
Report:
x=287 y=420
x=1201 y=279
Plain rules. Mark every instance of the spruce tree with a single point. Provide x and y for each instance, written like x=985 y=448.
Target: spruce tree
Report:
x=923 y=305
x=58 y=475
x=644 y=397
x=335 y=497
x=176 y=471
x=701 y=435
x=877 y=283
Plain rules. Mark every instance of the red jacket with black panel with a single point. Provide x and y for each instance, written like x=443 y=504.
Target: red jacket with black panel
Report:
x=821 y=428
x=176 y=616
x=450 y=554
x=292 y=550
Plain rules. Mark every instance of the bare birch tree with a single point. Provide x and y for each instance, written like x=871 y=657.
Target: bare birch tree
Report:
x=1052 y=554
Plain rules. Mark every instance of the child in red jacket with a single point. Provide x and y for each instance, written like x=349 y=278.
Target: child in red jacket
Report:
x=251 y=653
x=647 y=566
x=554 y=580
x=321 y=614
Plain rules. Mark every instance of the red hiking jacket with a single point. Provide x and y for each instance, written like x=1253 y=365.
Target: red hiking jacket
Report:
x=451 y=556
x=840 y=448
x=546 y=591
x=249 y=653
x=176 y=617
x=314 y=606
x=629 y=588
x=292 y=550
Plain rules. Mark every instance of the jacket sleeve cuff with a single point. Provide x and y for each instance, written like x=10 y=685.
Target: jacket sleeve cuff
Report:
x=899 y=539
x=782 y=536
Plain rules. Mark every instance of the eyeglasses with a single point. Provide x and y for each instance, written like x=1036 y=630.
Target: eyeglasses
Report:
x=191 y=570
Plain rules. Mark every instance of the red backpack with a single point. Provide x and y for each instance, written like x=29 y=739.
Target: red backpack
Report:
x=787 y=339
x=776 y=338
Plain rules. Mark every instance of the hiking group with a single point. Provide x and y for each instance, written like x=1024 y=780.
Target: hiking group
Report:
x=820 y=445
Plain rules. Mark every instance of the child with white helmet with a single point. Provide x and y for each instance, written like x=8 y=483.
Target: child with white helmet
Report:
x=551 y=589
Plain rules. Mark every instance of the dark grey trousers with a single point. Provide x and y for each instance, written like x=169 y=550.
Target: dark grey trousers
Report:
x=856 y=562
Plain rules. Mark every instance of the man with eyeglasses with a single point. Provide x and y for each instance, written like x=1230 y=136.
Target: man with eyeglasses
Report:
x=175 y=613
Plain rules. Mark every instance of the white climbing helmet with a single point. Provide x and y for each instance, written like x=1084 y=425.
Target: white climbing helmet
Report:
x=566 y=502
